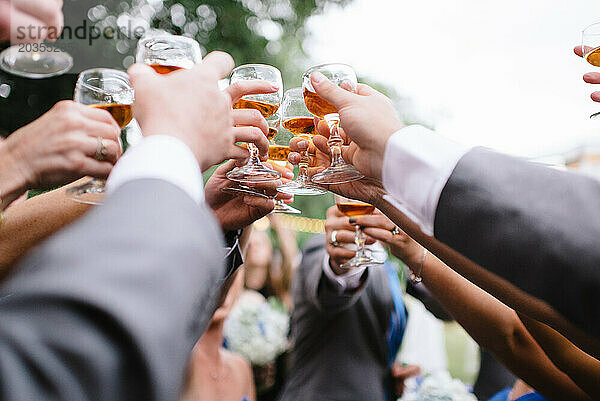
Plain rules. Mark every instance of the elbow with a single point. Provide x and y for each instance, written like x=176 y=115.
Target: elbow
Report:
x=512 y=343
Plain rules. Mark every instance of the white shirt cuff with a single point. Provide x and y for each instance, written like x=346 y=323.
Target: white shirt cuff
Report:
x=346 y=282
x=160 y=157
x=416 y=167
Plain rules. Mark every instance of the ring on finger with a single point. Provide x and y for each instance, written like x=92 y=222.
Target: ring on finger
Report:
x=395 y=230
x=102 y=149
x=333 y=239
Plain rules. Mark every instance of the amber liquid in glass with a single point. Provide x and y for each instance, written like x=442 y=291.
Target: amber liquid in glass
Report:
x=279 y=152
x=122 y=113
x=272 y=133
x=593 y=57
x=300 y=126
x=165 y=69
x=317 y=105
x=355 y=209
x=266 y=109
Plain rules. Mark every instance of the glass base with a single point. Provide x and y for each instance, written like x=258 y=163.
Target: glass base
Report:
x=35 y=65
x=283 y=208
x=337 y=175
x=89 y=193
x=244 y=190
x=595 y=116
x=253 y=173
x=359 y=261
x=301 y=188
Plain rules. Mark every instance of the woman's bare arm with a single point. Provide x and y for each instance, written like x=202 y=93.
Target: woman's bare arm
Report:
x=30 y=222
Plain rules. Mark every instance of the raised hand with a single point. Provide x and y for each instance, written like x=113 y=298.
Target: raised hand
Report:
x=369 y=119
x=345 y=232
x=60 y=146
x=236 y=212
x=189 y=106
x=367 y=189
x=590 y=77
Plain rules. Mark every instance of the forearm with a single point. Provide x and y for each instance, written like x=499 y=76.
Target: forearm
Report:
x=13 y=182
x=501 y=289
x=30 y=222
x=497 y=328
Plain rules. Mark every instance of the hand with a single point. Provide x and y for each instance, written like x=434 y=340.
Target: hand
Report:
x=400 y=374
x=60 y=146
x=16 y=16
x=338 y=255
x=367 y=190
x=236 y=212
x=368 y=118
x=590 y=77
x=188 y=105
x=379 y=227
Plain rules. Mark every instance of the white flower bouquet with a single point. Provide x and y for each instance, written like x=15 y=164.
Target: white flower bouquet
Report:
x=439 y=386
x=257 y=329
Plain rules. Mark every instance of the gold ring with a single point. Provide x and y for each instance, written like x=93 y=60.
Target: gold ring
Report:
x=102 y=149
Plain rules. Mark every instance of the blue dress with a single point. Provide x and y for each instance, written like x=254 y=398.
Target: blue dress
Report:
x=503 y=396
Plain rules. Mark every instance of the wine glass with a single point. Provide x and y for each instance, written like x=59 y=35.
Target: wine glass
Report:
x=278 y=154
x=110 y=90
x=168 y=53
x=353 y=208
x=35 y=60
x=267 y=104
x=300 y=122
x=590 y=47
x=342 y=75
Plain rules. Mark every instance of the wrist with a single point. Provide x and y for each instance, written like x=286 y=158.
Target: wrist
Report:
x=15 y=175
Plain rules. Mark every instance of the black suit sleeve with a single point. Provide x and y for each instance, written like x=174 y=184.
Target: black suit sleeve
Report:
x=537 y=227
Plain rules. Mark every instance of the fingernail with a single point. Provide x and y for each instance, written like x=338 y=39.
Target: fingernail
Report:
x=288 y=175
x=303 y=144
x=351 y=220
x=588 y=76
x=317 y=77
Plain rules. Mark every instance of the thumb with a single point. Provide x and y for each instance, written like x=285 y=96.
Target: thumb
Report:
x=139 y=73
x=329 y=91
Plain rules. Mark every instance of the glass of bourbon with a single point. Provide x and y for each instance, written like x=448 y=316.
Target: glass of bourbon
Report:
x=300 y=122
x=267 y=104
x=110 y=90
x=590 y=47
x=344 y=76
x=168 y=53
x=354 y=208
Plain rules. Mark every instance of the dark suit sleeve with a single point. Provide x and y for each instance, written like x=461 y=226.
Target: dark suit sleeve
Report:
x=110 y=308
x=314 y=287
x=537 y=227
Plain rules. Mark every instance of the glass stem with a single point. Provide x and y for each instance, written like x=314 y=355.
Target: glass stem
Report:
x=335 y=140
x=360 y=239
x=254 y=159
x=303 y=165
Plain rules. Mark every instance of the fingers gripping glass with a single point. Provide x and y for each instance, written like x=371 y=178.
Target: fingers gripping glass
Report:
x=341 y=75
x=109 y=90
x=300 y=122
x=267 y=104
x=168 y=53
x=353 y=208
x=591 y=49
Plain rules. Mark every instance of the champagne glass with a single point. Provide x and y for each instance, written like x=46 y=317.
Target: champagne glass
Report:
x=35 y=60
x=168 y=53
x=267 y=104
x=342 y=75
x=591 y=49
x=278 y=154
x=353 y=208
x=300 y=122
x=110 y=90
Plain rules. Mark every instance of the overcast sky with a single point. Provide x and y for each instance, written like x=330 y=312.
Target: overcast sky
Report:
x=495 y=73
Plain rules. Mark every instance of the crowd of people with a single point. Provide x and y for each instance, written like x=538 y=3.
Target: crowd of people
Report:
x=128 y=300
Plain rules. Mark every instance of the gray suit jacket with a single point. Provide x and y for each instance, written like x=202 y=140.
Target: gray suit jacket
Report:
x=537 y=227
x=340 y=348
x=109 y=308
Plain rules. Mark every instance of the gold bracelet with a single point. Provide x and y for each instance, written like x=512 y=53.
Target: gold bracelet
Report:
x=416 y=277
